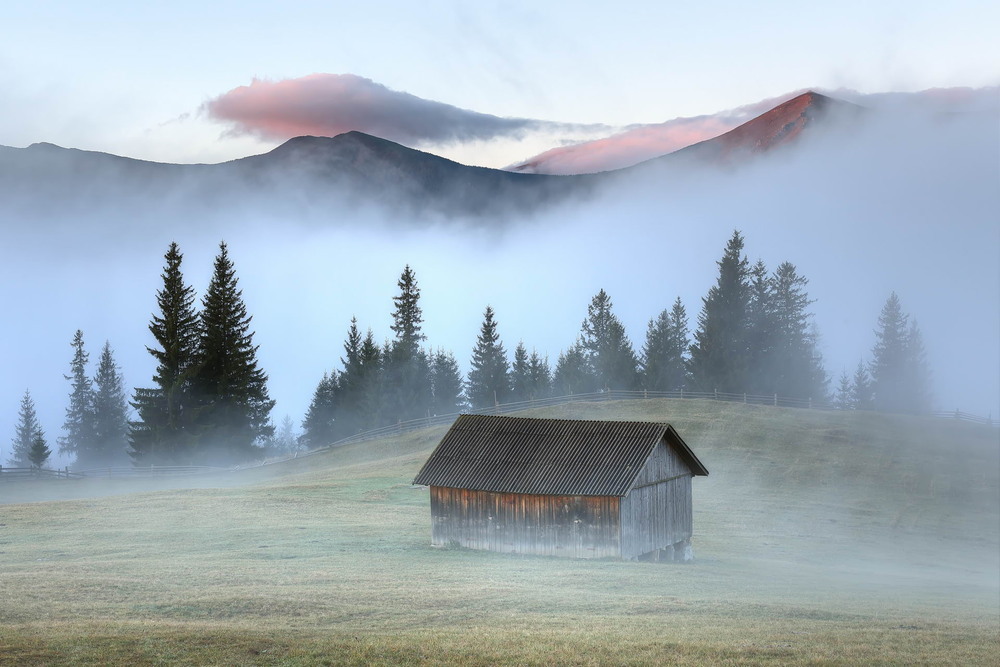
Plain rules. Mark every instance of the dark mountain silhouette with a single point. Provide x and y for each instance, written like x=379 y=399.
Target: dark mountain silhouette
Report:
x=312 y=175
x=302 y=173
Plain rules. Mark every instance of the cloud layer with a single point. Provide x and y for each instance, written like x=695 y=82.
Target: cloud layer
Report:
x=331 y=104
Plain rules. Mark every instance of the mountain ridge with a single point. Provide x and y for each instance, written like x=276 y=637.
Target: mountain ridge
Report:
x=359 y=168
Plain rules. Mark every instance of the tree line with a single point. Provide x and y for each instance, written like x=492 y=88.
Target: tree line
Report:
x=207 y=401
x=755 y=334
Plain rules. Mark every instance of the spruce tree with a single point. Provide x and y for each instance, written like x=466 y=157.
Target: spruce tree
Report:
x=572 y=374
x=719 y=359
x=843 y=398
x=110 y=414
x=446 y=380
x=372 y=400
x=80 y=437
x=760 y=335
x=489 y=375
x=231 y=388
x=540 y=375
x=520 y=375
x=900 y=379
x=407 y=380
x=795 y=366
x=861 y=389
x=164 y=431
x=285 y=440
x=40 y=451
x=918 y=371
x=318 y=427
x=664 y=356
x=24 y=433
x=609 y=353
x=350 y=384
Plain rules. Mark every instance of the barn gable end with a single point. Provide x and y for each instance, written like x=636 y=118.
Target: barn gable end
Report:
x=584 y=489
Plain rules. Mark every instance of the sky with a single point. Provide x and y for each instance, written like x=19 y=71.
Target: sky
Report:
x=496 y=84
x=145 y=81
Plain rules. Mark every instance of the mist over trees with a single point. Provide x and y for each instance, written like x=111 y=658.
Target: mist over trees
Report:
x=164 y=431
x=489 y=373
x=95 y=426
x=900 y=379
x=233 y=416
x=664 y=364
x=210 y=401
x=755 y=332
x=26 y=433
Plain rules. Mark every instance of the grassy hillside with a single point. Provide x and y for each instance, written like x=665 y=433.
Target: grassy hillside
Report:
x=819 y=538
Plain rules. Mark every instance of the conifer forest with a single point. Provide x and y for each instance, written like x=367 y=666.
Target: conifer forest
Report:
x=207 y=402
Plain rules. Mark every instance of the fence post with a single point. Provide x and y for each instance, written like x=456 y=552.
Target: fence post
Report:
x=810 y=402
x=775 y=400
x=716 y=394
x=744 y=398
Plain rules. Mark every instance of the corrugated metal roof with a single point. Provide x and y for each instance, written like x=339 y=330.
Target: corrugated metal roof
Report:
x=546 y=456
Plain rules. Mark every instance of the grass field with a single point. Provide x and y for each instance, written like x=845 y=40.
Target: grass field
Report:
x=820 y=538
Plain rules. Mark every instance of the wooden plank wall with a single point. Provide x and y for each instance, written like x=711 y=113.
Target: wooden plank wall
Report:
x=663 y=464
x=571 y=526
x=655 y=516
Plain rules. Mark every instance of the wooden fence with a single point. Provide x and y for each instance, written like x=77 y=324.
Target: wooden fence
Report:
x=437 y=420
x=618 y=395
x=10 y=474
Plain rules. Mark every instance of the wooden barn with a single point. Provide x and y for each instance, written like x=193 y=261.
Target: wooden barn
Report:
x=556 y=487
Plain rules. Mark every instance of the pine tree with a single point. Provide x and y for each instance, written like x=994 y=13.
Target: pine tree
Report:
x=40 y=451
x=572 y=374
x=370 y=386
x=446 y=381
x=234 y=405
x=795 y=366
x=407 y=381
x=318 y=428
x=164 y=431
x=664 y=356
x=899 y=373
x=407 y=317
x=80 y=437
x=110 y=414
x=843 y=399
x=719 y=359
x=350 y=384
x=541 y=376
x=520 y=375
x=24 y=433
x=609 y=352
x=761 y=335
x=285 y=440
x=861 y=389
x=489 y=375
x=917 y=371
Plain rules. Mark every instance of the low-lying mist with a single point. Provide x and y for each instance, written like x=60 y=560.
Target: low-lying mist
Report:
x=902 y=203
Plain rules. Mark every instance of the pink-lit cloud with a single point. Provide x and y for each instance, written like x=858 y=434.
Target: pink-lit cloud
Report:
x=331 y=104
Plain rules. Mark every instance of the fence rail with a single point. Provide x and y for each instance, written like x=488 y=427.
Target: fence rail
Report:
x=37 y=473
x=121 y=471
x=617 y=395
